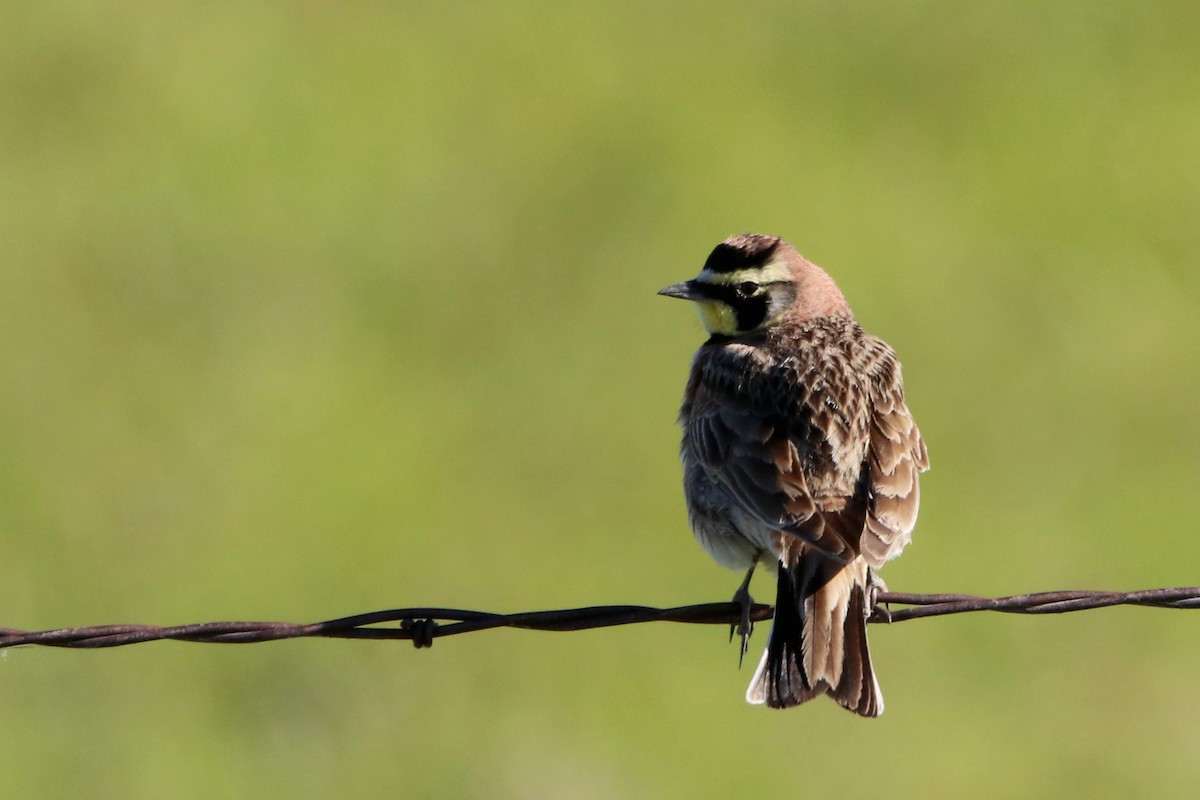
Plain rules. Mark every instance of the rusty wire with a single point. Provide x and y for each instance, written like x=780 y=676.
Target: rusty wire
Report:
x=422 y=625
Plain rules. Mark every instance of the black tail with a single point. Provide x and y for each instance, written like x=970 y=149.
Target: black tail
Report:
x=818 y=642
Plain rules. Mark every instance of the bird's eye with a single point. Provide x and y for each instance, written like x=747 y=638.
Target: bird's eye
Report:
x=747 y=288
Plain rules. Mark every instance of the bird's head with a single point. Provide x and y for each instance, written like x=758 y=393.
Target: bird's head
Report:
x=753 y=281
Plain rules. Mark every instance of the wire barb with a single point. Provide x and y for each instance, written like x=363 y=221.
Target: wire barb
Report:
x=422 y=625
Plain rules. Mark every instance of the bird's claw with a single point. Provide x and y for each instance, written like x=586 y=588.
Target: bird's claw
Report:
x=876 y=587
x=745 y=627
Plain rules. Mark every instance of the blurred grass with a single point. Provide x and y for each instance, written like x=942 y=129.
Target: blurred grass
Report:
x=313 y=309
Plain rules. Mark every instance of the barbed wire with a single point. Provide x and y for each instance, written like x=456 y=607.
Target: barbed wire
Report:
x=422 y=625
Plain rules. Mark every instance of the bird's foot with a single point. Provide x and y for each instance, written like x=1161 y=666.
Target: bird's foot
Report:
x=876 y=587
x=744 y=627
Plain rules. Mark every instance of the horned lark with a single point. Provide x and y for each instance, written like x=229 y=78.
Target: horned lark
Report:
x=798 y=451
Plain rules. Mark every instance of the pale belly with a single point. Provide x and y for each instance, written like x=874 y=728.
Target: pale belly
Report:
x=733 y=538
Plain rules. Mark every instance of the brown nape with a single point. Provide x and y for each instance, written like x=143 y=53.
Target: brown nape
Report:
x=817 y=294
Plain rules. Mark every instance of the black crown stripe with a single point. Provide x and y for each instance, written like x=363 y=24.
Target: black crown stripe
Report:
x=741 y=252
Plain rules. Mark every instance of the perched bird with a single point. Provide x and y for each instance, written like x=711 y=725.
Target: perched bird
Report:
x=798 y=451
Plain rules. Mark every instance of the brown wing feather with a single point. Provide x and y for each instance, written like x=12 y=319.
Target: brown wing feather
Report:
x=897 y=455
x=787 y=436
x=757 y=461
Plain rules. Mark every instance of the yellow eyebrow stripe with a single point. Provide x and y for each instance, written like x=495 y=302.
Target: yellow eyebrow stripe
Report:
x=773 y=272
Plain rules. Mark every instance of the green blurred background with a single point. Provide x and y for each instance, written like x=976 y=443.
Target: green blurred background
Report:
x=311 y=309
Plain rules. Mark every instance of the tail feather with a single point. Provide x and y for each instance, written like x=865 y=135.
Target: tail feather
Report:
x=818 y=641
x=781 y=680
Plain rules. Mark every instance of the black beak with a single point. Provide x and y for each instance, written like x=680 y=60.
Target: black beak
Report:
x=683 y=291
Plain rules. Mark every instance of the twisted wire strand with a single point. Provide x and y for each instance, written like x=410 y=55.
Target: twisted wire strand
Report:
x=422 y=625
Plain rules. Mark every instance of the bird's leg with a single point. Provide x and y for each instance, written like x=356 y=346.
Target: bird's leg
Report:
x=876 y=587
x=743 y=599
